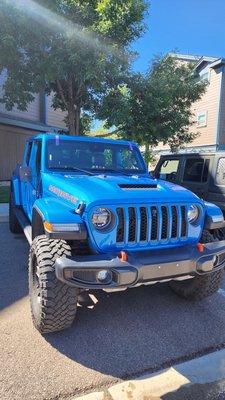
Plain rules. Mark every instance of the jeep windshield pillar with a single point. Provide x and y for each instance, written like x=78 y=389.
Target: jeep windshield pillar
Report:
x=96 y=219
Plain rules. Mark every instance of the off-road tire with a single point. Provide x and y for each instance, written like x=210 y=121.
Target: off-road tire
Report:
x=200 y=286
x=14 y=225
x=53 y=303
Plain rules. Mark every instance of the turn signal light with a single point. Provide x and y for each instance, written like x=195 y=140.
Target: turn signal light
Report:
x=200 y=247
x=48 y=227
x=61 y=227
x=123 y=256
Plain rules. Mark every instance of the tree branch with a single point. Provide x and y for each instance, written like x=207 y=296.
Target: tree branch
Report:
x=60 y=89
x=70 y=89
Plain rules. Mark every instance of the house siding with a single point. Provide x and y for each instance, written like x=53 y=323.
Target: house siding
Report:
x=33 y=109
x=209 y=103
x=17 y=126
x=32 y=113
x=55 y=117
x=221 y=122
x=207 y=135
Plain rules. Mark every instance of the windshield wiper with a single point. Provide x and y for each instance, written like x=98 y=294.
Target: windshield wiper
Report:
x=97 y=171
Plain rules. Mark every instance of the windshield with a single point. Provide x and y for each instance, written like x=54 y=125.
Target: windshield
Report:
x=93 y=157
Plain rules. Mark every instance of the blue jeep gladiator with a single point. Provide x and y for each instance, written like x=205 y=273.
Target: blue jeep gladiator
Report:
x=96 y=219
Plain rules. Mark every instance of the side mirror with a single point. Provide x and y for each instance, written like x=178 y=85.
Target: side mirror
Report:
x=151 y=173
x=25 y=174
x=154 y=174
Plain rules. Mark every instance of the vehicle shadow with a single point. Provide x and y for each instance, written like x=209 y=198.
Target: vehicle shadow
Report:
x=124 y=333
x=140 y=330
x=13 y=270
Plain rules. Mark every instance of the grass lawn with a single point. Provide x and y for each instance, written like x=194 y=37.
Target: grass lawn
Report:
x=4 y=194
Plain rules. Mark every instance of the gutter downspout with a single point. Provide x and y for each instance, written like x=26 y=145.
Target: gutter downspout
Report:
x=220 y=107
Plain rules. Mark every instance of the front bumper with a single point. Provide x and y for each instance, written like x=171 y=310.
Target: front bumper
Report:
x=141 y=267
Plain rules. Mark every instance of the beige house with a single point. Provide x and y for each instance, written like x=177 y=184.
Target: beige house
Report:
x=16 y=126
x=209 y=111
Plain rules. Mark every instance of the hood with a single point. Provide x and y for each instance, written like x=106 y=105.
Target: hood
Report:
x=109 y=189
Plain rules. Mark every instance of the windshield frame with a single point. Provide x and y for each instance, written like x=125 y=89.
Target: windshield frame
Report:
x=98 y=171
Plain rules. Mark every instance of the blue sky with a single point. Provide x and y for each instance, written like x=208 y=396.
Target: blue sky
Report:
x=191 y=26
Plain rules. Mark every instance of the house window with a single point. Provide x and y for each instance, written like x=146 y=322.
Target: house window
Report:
x=202 y=119
x=204 y=76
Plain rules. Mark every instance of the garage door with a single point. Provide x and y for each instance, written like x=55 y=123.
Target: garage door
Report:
x=12 y=140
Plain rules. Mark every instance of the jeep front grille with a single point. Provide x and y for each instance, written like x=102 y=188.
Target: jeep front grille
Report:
x=148 y=224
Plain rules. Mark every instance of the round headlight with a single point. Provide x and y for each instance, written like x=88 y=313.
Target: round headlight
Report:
x=101 y=218
x=193 y=213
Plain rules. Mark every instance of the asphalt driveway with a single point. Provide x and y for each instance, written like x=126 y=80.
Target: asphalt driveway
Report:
x=118 y=336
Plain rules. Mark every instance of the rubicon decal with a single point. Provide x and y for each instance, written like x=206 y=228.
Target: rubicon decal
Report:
x=63 y=194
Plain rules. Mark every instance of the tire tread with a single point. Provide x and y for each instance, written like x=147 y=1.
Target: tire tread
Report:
x=200 y=286
x=58 y=300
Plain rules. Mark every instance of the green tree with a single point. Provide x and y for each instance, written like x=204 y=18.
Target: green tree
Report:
x=79 y=49
x=155 y=107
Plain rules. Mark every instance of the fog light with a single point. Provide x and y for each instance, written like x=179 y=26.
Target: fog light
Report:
x=104 y=276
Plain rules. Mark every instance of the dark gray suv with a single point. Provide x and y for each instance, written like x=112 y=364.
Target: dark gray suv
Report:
x=202 y=173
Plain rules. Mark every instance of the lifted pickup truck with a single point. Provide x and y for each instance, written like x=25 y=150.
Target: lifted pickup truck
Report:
x=96 y=219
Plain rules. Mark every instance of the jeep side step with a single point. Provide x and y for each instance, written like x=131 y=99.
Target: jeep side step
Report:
x=24 y=223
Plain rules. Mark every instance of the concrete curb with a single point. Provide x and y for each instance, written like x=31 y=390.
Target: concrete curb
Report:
x=202 y=370
x=4 y=212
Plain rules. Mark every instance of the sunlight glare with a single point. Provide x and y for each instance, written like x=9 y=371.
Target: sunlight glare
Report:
x=58 y=24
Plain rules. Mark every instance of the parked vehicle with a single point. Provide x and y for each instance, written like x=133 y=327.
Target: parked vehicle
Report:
x=96 y=219
x=203 y=174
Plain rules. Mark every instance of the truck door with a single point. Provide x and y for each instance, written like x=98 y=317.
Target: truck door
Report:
x=33 y=186
x=168 y=169
x=217 y=185
x=25 y=163
x=196 y=174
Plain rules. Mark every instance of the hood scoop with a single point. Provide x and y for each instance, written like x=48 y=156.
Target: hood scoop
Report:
x=137 y=186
